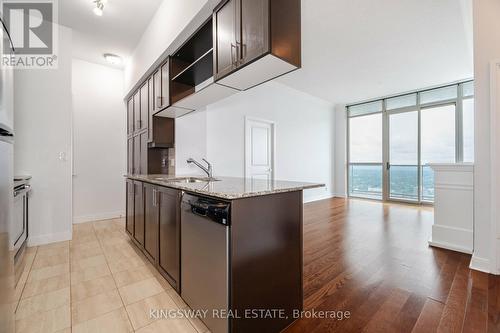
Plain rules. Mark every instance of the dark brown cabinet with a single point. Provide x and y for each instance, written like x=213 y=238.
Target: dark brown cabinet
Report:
x=136 y=165
x=137 y=150
x=161 y=130
x=241 y=33
x=130 y=116
x=139 y=212
x=157 y=91
x=263 y=33
x=130 y=208
x=143 y=155
x=165 y=91
x=161 y=93
x=169 y=238
x=151 y=97
x=142 y=123
x=254 y=24
x=130 y=155
x=137 y=111
x=225 y=40
x=151 y=222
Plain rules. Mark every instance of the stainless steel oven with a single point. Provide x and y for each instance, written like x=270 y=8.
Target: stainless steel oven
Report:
x=20 y=225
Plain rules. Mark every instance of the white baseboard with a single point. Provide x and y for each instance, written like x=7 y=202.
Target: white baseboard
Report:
x=98 y=217
x=452 y=238
x=340 y=195
x=449 y=246
x=49 y=238
x=319 y=197
x=480 y=264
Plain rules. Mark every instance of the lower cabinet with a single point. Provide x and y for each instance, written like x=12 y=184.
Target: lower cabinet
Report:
x=153 y=219
x=130 y=207
x=138 y=213
x=169 y=251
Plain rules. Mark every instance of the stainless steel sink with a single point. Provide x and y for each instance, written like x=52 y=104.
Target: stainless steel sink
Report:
x=193 y=180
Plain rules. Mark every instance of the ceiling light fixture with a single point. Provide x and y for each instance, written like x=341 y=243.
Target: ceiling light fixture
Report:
x=99 y=7
x=113 y=58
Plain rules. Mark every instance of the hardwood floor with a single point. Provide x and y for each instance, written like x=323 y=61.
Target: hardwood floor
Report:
x=372 y=259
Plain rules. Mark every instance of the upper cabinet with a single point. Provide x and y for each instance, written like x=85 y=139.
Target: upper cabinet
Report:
x=137 y=111
x=255 y=41
x=225 y=39
x=142 y=122
x=254 y=25
x=130 y=116
x=191 y=82
x=161 y=94
x=244 y=43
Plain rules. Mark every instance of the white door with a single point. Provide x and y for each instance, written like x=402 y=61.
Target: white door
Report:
x=259 y=149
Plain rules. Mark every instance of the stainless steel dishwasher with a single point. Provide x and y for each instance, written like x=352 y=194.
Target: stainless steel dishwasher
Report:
x=205 y=258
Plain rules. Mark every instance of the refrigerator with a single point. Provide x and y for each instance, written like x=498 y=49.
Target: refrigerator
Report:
x=7 y=277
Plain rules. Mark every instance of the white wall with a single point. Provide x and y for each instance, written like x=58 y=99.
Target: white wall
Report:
x=190 y=141
x=42 y=101
x=170 y=18
x=99 y=145
x=486 y=49
x=304 y=134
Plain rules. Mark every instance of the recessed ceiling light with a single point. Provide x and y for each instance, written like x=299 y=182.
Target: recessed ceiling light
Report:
x=99 y=7
x=113 y=58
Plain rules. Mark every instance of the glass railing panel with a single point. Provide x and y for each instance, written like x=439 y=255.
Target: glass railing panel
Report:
x=403 y=182
x=365 y=180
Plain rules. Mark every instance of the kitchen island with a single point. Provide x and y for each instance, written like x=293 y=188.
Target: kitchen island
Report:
x=232 y=246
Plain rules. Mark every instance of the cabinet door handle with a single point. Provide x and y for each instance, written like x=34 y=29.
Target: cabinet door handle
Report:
x=239 y=52
x=233 y=62
x=154 y=197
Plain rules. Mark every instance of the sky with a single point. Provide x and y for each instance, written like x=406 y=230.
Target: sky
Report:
x=437 y=136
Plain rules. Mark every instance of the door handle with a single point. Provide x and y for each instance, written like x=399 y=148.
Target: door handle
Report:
x=388 y=166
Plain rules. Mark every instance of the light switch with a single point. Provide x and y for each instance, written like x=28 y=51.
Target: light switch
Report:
x=62 y=156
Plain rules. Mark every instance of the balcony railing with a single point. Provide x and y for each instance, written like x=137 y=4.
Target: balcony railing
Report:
x=365 y=180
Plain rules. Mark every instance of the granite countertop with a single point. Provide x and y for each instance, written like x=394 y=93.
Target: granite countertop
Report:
x=228 y=188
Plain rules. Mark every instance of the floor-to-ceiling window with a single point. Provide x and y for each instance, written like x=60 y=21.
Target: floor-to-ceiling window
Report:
x=365 y=150
x=391 y=141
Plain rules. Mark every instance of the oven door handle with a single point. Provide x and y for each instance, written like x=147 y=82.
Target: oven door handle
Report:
x=22 y=190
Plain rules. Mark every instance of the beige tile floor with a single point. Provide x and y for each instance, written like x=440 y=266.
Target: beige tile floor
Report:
x=98 y=282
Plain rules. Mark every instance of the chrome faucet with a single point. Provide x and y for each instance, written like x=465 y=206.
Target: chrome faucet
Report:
x=207 y=169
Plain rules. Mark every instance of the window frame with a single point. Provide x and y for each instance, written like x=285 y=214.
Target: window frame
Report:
x=459 y=137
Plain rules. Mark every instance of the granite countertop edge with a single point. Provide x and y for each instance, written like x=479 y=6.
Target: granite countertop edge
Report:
x=287 y=186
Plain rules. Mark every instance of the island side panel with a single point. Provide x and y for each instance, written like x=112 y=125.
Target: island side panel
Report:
x=266 y=259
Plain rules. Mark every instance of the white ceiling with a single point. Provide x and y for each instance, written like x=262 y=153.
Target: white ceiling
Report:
x=118 y=31
x=360 y=49
x=351 y=50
